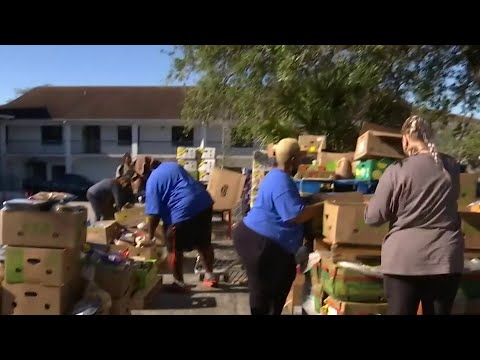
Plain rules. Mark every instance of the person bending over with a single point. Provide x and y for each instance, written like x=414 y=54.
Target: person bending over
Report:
x=108 y=196
x=186 y=210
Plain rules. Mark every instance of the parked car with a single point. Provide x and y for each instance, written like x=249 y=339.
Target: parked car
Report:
x=70 y=183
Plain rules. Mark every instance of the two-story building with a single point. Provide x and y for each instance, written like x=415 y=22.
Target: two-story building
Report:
x=50 y=131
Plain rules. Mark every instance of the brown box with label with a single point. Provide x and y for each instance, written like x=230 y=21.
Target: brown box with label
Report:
x=343 y=223
x=226 y=188
x=44 y=229
x=311 y=144
x=48 y=267
x=379 y=144
x=337 y=307
x=103 y=232
x=468 y=189
x=116 y=280
x=329 y=160
x=471 y=229
x=36 y=299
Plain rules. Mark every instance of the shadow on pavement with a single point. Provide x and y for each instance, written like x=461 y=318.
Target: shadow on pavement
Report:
x=182 y=301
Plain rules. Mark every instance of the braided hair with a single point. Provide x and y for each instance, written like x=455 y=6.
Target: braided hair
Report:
x=418 y=129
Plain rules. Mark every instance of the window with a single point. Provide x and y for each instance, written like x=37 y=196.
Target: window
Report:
x=238 y=142
x=182 y=137
x=124 y=135
x=52 y=135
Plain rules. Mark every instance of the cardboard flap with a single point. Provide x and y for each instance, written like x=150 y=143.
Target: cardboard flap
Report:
x=372 y=126
x=225 y=188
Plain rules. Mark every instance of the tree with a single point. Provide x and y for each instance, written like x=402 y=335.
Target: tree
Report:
x=272 y=91
x=22 y=91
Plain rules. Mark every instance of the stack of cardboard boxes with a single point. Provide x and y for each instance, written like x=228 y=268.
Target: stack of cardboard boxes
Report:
x=198 y=162
x=128 y=285
x=42 y=262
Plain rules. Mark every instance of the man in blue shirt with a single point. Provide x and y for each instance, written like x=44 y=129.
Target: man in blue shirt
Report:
x=185 y=207
x=272 y=233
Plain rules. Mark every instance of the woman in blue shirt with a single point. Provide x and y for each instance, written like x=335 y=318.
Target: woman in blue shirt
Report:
x=272 y=232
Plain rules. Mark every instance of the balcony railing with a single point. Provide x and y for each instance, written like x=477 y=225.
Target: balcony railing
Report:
x=104 y=147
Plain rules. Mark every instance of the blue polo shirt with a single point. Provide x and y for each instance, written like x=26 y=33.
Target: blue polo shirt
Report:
x=278 y=201
x=174 y=195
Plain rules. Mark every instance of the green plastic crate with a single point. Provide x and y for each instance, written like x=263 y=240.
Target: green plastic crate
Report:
x=369 y=170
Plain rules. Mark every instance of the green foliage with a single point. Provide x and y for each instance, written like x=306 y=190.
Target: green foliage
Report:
x=272 y=91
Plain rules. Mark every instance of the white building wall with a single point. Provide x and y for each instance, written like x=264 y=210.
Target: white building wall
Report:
x=28 y=140
x=97 y=168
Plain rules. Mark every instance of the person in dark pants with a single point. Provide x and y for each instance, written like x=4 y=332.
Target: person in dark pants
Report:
x=272 y=233
x=108 y=196
x=423 y=253
x=186 y=210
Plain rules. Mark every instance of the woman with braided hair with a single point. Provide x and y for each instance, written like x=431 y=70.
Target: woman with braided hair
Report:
x=422 y=255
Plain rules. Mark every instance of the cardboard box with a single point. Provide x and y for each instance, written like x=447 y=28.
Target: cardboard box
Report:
x=145 y=277
x=343 y=223
x=204 y=176
x=194 y=174
x=103 y=232
x=372 y=126
x=226 y=188
x=116 y=280
x=471 y=229
x=271 y=150
x=187 y=153
x=317 y=222
x=468 y=189
x=346 y=284
x=312 y=143
x=45 y=229
x=329 y=160
x=206 y=165
x=121 y=306
x=48 y=267
x=295 y=298
x=147 y=253
x=131 y=217
x=188 y=165
x=208 y=153
x=377 y=144
x=36 y=299
x=337 y=307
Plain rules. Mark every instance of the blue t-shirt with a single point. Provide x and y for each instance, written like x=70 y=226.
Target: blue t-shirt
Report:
x=277 y=202
x=174 y=195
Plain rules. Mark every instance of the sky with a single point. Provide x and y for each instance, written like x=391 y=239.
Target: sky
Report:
x=24 y=66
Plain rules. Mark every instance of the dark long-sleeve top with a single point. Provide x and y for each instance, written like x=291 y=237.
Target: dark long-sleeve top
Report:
x=419 y=200
x=110 y=190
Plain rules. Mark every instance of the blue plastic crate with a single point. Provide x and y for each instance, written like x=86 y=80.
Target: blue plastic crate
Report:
x=311 y=186
x=364 y=187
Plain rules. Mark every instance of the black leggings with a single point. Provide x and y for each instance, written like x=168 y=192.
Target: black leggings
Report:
x=270 y=270
x=436 y=293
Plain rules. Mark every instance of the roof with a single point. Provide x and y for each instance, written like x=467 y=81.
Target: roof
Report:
x=98 y=102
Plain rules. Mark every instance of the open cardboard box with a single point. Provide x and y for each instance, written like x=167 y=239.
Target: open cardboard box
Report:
x=379 y=144
x=471 y=229
x=343 y=223
x=226 y=188
x=104 y=232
